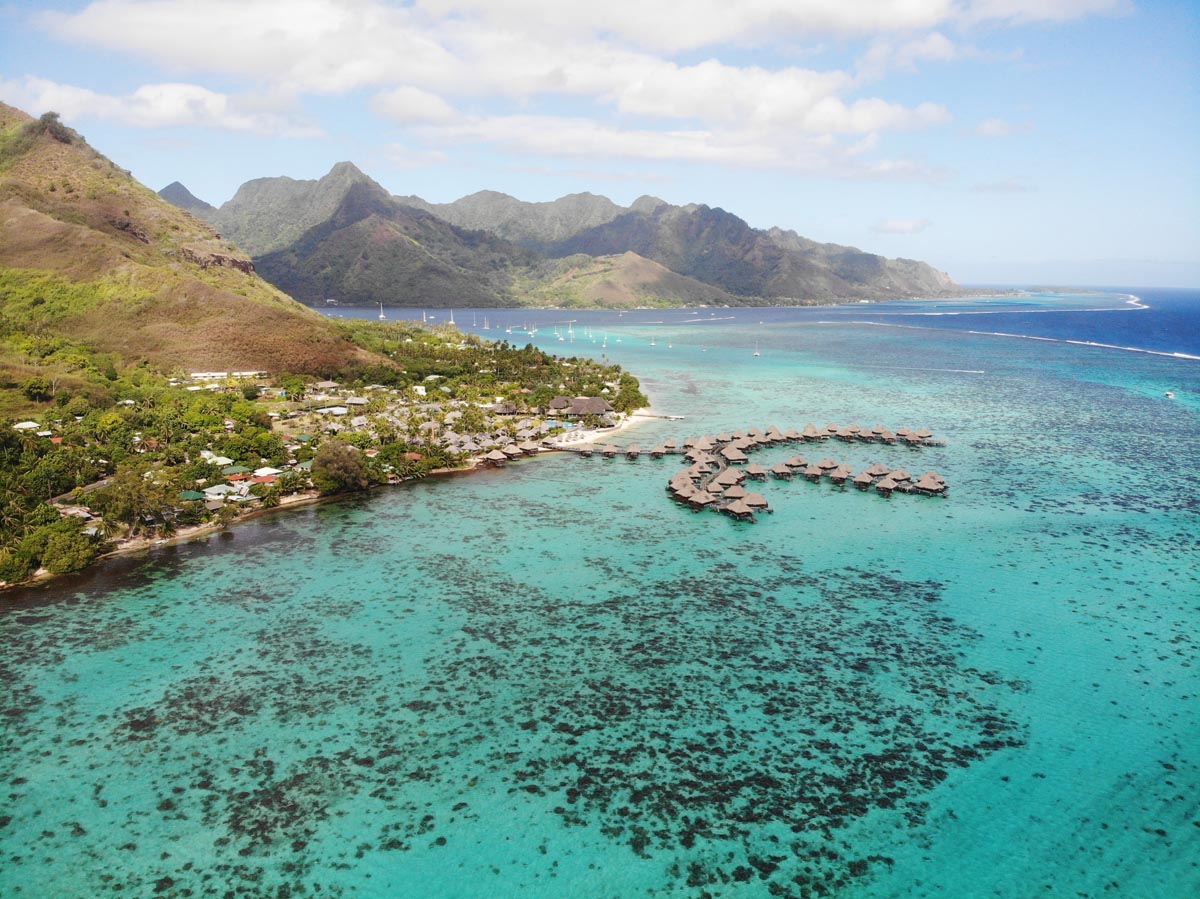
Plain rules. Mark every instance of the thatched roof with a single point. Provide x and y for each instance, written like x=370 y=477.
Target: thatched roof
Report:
x=755 y=500
x=739 y=509
x=735 y=492
x=827 y=463
x=796 y=462
x=701 y=498
x=755 y=469
x=512 y=450
x=877 y=469
x=863 y=478
x=496 y=456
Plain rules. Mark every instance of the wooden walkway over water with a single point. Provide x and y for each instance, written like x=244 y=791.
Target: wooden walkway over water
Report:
x=711 y=480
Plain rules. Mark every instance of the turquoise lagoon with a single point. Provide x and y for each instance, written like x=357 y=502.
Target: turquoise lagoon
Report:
x=550 y=681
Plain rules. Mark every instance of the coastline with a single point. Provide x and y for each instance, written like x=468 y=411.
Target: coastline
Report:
x=132 y=545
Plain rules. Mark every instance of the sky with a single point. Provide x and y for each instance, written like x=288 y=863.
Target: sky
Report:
x=1003 y=141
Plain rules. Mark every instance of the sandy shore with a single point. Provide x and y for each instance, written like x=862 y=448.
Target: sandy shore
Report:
x=581 y=436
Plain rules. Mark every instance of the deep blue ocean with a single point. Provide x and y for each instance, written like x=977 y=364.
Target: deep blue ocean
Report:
x=551 y=681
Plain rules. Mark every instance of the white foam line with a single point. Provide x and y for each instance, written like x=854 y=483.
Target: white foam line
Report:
x=1091 y=343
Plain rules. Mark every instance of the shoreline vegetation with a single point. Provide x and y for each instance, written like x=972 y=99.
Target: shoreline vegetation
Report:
x=145 y=543
x=100 y=458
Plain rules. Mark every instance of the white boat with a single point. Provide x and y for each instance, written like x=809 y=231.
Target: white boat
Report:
x=756 y=352
x=1169 y=395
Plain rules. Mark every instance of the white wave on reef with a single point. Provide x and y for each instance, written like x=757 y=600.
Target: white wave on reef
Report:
x=1132 y=302
x=1089 y=343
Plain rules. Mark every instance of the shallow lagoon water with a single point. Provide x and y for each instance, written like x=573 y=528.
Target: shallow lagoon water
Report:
x=550 y=681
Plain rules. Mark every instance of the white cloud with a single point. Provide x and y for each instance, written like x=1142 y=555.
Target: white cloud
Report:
x=616 y=66
x=1001 y=128
x=155 y=106
x=903 y=226
x=411 y=104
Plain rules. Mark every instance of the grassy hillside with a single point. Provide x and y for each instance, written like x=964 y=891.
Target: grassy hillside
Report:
x=612 y=282
x=90 y=256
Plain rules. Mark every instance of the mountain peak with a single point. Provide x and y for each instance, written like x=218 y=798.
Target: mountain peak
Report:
x=346 y=170
x=647 y=204
x=178 y=195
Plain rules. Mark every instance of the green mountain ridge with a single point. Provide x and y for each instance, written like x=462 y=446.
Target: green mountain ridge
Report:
x=344 y=237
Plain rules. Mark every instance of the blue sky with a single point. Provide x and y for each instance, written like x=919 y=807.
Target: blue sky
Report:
x=1004 y=141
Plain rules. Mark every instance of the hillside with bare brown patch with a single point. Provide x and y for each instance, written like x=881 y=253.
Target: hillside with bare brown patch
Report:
x=626 y=280
x=158 y=284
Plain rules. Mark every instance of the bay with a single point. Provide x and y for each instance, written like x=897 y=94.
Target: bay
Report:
x=551 y=681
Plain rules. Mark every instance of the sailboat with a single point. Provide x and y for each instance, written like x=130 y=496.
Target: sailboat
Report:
x=451 y=316
x=756 y=352
x=382 y=317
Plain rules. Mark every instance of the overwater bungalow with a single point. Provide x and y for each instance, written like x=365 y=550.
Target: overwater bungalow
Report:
x=736 y=491
x=814 y=472
x=862 y=480
x=796 y=462
x=632 y=451
x=586 y=451
x=512 y=451
x=529 y=448
x=724 y=437
x=671 y=445
x=792 y=435
x=924 y=434
x=730 y=477
x=878 y=470
x=810 y=432
x=756 y=471
x=739 y=510
x=608 y=451
x=887 y=436
x=854 y=427
x=496 y=458
x=658 y=452
x=830 y=429
x=756 y=501
x=701 y=499
x=781 y=471
x=930 y=484
x=899 y=475
x=827 y=464
x=885 y=486
x=841 y=474
x=733 y=454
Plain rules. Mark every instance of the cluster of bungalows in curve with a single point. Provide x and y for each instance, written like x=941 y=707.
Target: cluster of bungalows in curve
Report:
x=711 y=480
